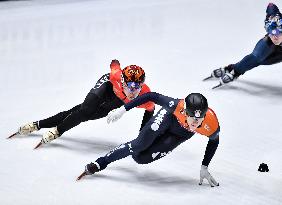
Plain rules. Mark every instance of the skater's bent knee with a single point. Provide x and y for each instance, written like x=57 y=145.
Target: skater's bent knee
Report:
x=85 y=113
x=142 y=159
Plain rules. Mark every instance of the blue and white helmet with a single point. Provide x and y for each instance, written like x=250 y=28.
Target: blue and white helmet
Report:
x=273 y=25
x=273 y=20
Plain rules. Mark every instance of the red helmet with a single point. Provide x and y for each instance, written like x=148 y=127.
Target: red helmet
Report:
x=133 y=73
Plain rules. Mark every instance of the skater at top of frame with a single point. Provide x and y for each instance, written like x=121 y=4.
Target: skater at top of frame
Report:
x=267 y=51
x=111 y=91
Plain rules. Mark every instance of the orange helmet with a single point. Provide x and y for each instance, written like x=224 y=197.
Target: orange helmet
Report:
x=133 y=73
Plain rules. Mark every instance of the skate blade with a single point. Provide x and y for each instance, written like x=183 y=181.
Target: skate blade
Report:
x=207 y=78
x=80 y=176
x=217 y=86
x=17 y=133
x=38 y=145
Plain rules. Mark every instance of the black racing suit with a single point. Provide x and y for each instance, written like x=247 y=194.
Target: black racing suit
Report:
x=161 y=134
x=98 y=103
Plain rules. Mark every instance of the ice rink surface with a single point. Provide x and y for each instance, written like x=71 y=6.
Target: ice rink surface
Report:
x=52 y=52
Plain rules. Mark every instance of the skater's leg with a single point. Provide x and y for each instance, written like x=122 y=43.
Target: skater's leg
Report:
x=148 y=134
x=84 y=112
x=160 y=148
x=56 y=119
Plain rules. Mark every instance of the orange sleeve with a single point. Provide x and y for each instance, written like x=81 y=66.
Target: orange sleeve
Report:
x=115 y=75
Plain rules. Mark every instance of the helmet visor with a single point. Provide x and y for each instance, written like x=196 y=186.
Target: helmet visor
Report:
x=274 y=26
x=133 y=87
x=196 y=114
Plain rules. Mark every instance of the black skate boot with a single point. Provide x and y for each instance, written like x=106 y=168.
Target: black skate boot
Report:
x=89 y=170
x=92 y=168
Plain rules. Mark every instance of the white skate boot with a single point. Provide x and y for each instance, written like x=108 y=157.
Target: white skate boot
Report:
x=50 y=135
x=28 y=128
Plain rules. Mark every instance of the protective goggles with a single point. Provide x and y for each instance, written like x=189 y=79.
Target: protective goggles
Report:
x=274 y=26
x=196 y=114
x=133 y=86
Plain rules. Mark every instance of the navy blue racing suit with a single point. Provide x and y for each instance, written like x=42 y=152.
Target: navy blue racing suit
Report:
x=160 y=135
x=264 y=53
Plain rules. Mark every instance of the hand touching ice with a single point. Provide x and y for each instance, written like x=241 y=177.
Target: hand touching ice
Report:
x=204 y=174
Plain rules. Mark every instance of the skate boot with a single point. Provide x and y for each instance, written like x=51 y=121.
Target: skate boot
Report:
x=28 y=128
x=92 y=168
x=50 y=135
x=89 y=170
x=229 y=77
x=218 y=73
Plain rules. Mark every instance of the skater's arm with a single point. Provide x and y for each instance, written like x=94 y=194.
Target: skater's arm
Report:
x=209 y=153
x=147 y=116
x=211 y=148
x=157 y=98
x=150 y=96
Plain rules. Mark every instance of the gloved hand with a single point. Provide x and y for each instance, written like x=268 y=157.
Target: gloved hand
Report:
x=114 y=62
x=115 y=114
x=204 y=174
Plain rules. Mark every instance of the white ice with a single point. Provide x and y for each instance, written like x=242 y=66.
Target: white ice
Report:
x=53 y=51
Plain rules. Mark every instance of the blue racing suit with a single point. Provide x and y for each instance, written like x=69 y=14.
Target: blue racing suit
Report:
x=162 y=133
x=264 y=53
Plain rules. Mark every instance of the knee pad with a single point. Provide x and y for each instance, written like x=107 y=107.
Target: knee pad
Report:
x=142 y=158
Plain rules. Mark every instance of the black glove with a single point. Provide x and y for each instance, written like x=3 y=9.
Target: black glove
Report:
x=92 y=168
